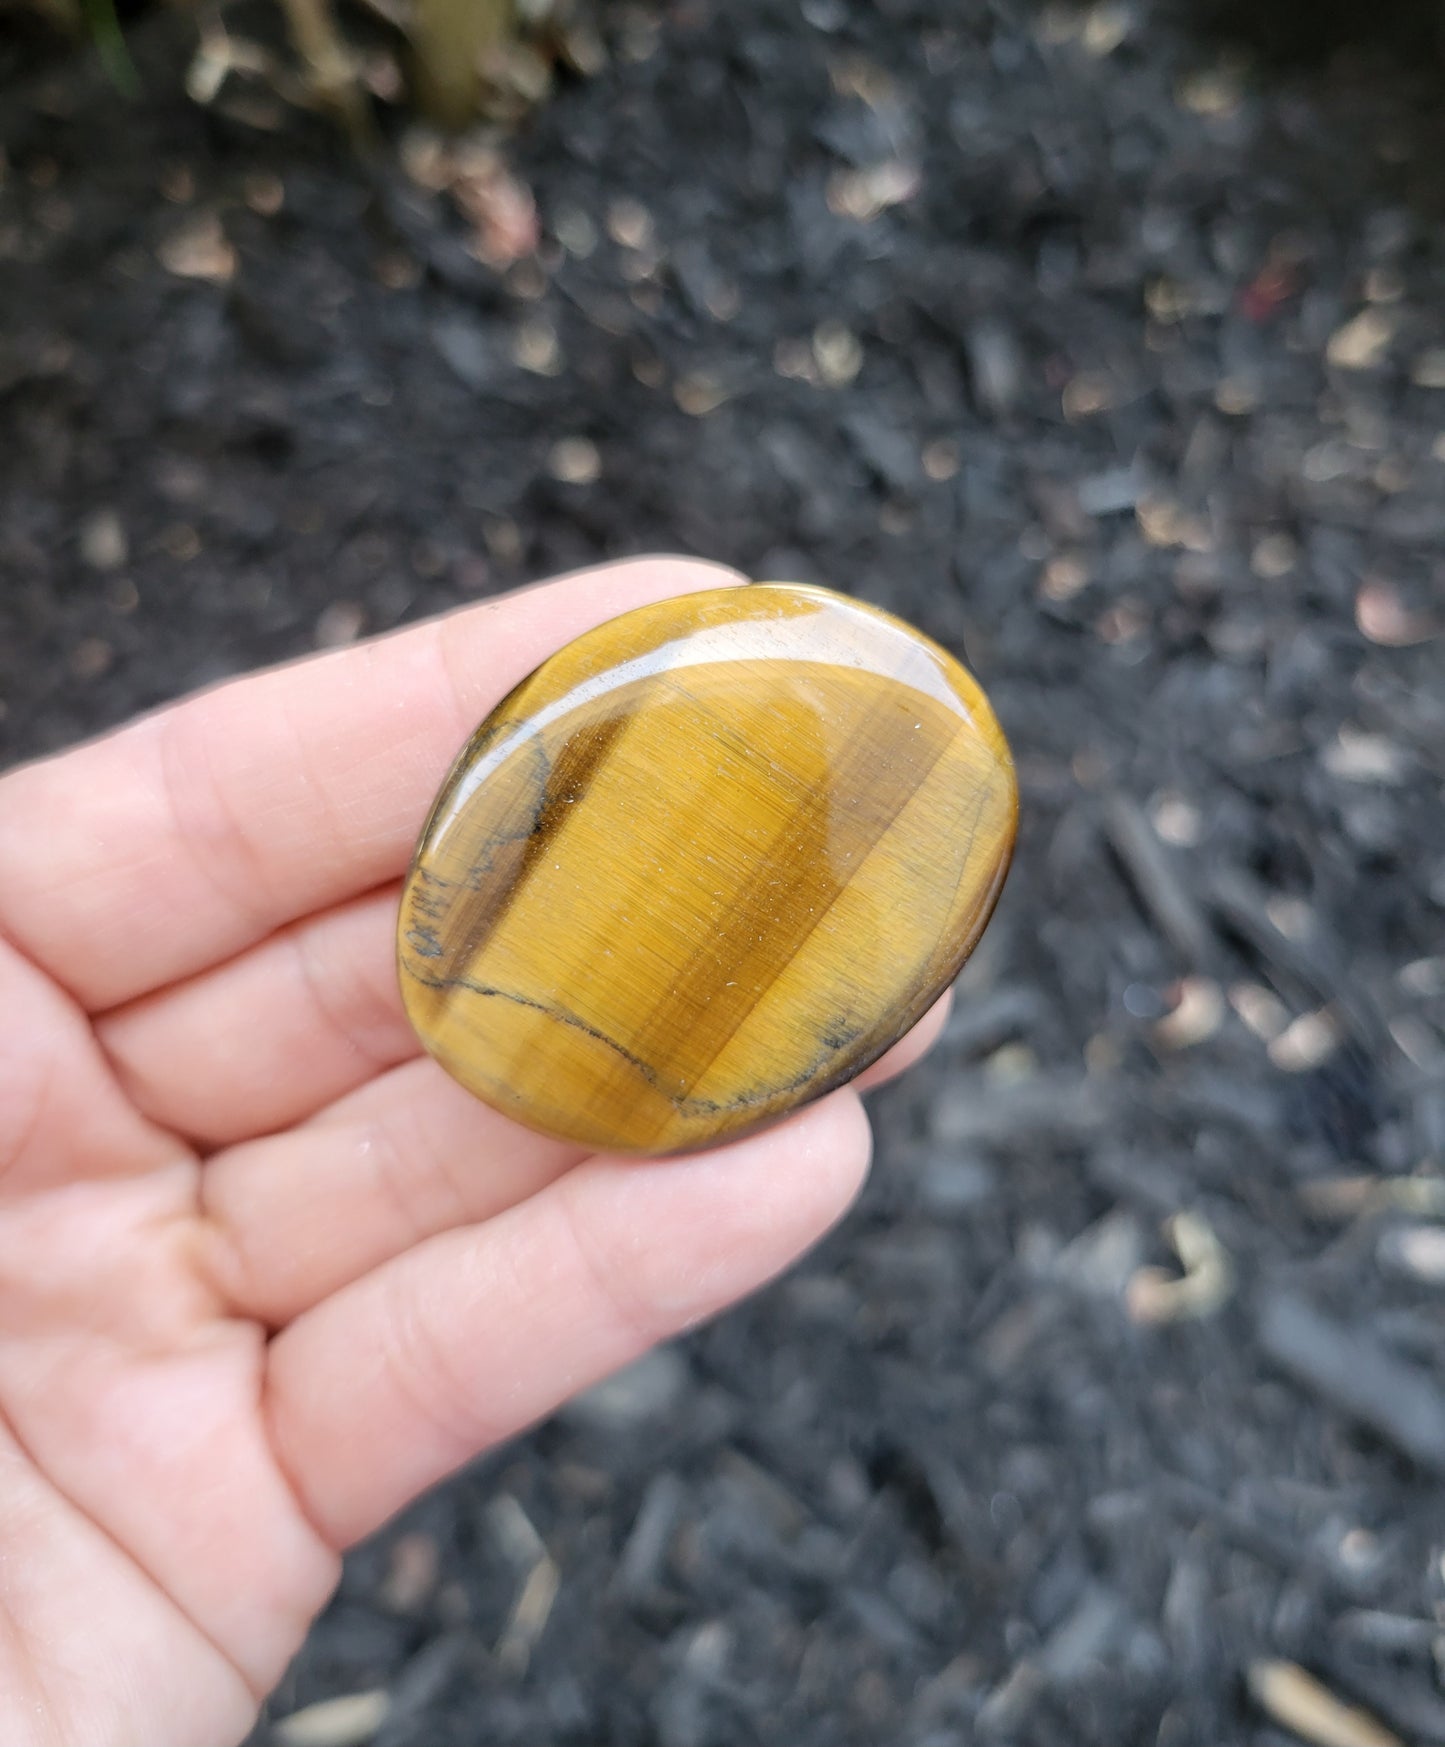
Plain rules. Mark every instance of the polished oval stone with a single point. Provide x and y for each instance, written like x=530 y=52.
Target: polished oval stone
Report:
x=708 y=862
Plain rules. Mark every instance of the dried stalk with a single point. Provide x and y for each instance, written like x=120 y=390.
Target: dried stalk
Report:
x=451 y=40
x=330 y=70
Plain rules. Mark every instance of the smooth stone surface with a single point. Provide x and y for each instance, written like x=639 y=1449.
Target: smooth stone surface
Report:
x=708 y=862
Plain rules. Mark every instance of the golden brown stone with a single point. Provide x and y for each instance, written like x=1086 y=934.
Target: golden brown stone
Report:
x=708 y=862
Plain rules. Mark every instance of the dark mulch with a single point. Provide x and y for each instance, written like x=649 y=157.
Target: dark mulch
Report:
x=1139 y=395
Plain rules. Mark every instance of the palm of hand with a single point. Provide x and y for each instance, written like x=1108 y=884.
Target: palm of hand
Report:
x=264 y=1272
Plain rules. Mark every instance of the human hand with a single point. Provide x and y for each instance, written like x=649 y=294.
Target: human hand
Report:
x=265 y=1272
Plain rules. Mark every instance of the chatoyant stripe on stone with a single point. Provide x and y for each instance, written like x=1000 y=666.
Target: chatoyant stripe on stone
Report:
x=706 y=863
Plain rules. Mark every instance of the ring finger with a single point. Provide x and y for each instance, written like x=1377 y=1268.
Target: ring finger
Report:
x=295 y=1217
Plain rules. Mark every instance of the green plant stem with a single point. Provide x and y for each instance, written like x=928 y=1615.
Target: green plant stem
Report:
x=109 y=40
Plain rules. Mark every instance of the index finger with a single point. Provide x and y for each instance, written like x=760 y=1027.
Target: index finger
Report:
x=184 y=838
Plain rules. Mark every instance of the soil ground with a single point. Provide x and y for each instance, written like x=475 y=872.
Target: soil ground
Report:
x=1110 y=352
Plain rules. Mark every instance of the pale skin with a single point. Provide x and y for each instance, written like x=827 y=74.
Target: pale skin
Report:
x=265 y=1272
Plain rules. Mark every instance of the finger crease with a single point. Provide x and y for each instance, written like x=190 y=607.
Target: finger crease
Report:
x=423 y=1374
x=335 y=1012
x=391 y=1170
x=256 y=1693
x=211 y=824
x=631 y=1317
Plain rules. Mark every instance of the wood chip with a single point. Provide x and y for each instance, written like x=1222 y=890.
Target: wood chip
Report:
x=1106 y=26
x=498 y=205
x=1424 y=977
x=1260 y=1009
x=1157 y=877
x=265 y=194
x=1297 y=1701
x=1274 y=556
x=574 y=229
x=1064 y=576
x=1415 y=1251
x=837 y=352
x=1165 y=524
x=411 y=1573
x=1211 y=92
x=535 y=348
x=1382 y=616
x=970 y=1111
x=1154 y=1296
x=199 y=250
x=103 y=543
x=335 y=1722
x=1356 y=1374
x=575 y=461
x=1361 y=344
x=1196 y=1014
x=1087 y=394
x=1428 y=369
x=1306 y=1043
x=1350 y=1197
x=1176 y=820
x=863 y=195
x=516 y=1532
x=699 y=394
x=339 y=624
x=530 y=1613
x=629 y=224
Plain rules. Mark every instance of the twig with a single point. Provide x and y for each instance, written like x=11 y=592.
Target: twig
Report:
x=1352 y=1372
x=1160 y=889
x=331 y=72
x=1241 y=904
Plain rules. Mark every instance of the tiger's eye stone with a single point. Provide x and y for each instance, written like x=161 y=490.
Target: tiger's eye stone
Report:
x=708 y=862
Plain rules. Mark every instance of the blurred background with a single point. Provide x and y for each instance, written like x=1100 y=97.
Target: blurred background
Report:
x=1108 y=342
